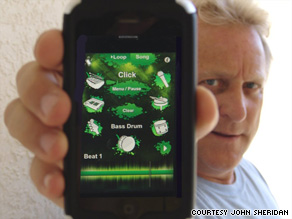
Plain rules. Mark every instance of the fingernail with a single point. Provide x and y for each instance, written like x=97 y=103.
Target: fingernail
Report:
x=48 y=102
x=53 y=78
x=47 y=180
x=47 y=141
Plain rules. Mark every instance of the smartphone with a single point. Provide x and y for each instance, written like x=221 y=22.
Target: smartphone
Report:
x=130 y=70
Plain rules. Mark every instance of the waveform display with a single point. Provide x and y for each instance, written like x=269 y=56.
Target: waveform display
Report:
x=126 y=173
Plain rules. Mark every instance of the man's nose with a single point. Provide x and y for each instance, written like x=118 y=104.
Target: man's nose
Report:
x=233 y=104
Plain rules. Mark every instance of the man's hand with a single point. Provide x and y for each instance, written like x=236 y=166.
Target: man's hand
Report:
x=36 y=118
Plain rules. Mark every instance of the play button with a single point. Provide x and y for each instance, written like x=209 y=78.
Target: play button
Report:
x=165 y=149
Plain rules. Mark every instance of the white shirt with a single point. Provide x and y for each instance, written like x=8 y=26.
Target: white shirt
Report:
x=250 y=193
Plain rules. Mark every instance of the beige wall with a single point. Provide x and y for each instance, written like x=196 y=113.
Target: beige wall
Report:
x=21 y=21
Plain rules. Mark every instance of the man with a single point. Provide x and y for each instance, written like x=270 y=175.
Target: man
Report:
x=234 y=61
x=233 y=64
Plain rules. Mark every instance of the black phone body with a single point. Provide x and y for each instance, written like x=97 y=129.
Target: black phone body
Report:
x=130 y=70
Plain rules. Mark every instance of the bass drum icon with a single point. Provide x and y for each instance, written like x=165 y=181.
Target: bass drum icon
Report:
x=127 y=143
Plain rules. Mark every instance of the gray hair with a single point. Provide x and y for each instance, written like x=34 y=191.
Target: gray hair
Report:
x=247 y=12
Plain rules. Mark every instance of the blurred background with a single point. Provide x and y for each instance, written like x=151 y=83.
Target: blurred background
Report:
x=271 y=149
x=22 y=21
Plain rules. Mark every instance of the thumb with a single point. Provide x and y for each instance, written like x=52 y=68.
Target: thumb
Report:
x=207 y=112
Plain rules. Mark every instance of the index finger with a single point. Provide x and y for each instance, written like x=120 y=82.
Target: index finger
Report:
x=49 y=50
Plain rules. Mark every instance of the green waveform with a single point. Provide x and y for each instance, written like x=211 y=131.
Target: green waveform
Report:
x=126 y=172
x=124 y=178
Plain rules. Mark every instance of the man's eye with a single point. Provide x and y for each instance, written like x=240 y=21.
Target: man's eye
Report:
x=251 y=85
x=212 y=82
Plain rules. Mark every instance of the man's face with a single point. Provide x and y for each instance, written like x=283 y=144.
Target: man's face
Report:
x=232 y=66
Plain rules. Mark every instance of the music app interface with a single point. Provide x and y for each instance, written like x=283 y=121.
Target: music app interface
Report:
x=128 y=124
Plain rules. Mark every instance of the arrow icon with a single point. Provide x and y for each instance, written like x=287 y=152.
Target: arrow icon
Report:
x=164 y=148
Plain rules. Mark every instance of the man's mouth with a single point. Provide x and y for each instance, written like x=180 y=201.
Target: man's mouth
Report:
x=225 y=135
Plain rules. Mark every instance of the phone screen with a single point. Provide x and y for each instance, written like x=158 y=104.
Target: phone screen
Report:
x=127 y=94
